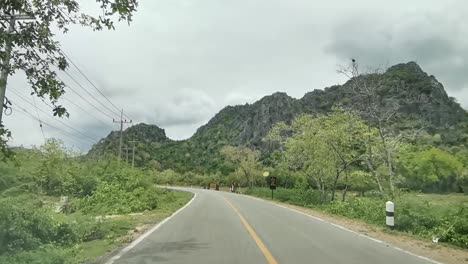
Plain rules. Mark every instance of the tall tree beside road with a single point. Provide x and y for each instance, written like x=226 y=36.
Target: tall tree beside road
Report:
x=29 y=45
x=382 y=112
x=323 y=147
x=246 y=161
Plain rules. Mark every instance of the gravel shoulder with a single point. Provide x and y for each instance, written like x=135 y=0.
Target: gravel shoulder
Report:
x=438 y=252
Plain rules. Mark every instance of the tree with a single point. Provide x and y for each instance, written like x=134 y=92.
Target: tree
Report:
x=34 y=49
x=246 y=161
x=53 y=170
x=433 y=169
x=306 y=152
x=322 y=147
x=361 y=181
x=343 y=132
x=166 y=177
x=381 y=113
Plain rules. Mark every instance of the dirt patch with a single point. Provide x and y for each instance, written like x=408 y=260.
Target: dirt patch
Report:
x=427 y=249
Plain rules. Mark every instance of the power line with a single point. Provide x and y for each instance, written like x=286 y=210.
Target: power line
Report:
x=92 y=84
x=84 y=110
x=95 y=107
x=79 y=93
x=71 y=77
x=70 y=136
x=84 y=89
x=70 y=101
x=92 y=140
x=40 y=122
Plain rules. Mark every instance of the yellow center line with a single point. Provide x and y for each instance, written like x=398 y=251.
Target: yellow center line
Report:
x=269 y=257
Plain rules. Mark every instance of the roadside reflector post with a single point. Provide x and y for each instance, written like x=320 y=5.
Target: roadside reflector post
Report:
x=390 y=214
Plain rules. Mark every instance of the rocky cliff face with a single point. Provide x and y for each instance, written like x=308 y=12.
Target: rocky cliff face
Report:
x=418 y=94
x=142 y=133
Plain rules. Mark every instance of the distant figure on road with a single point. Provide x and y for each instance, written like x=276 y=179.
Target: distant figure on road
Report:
x=233 y=186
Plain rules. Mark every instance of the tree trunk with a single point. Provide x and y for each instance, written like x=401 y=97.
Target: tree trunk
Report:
x=374 y=175
x=390 y=173
x=323 y=192
x=346 y=185
x=247 y=177
x=335 y=182
x=369 y=160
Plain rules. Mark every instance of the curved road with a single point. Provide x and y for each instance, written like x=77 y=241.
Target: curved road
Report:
x=218 y=227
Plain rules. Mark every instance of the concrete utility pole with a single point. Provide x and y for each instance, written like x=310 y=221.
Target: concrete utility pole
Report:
x=133 y=152
x=6 y=66
x=126 y=150
x=121 y=121
x=6 y=61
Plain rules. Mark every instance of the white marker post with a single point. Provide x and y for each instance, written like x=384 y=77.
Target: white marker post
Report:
x=390 y=213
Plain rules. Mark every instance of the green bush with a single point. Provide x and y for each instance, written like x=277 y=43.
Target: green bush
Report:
x=48 y=254
x=452 y=228
x=371 y=211
x=8 y=179
x=29 y=187
x=25 y=227
x=116 y=199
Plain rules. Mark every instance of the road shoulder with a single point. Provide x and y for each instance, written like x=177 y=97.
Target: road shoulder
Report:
x=398 y=240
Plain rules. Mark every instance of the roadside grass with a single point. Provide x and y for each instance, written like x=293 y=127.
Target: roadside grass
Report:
x=96 y=239
x=127 y=226
x=440 y=204
x=423 y=216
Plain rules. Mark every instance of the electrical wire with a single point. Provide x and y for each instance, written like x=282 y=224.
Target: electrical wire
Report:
x=40 y=122
x=92 y=84
x=92 y=96
x=35 y=52
x=70 y=136
x=86 y=111
x=79 y=95
x=92 y=140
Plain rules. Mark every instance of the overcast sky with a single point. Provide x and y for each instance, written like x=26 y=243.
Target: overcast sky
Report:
x=181 y=61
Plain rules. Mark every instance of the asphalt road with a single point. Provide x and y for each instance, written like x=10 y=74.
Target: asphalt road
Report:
x=219 y=227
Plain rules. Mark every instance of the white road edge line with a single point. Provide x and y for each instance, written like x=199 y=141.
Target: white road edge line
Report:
x=149 y=232
x=346 y=229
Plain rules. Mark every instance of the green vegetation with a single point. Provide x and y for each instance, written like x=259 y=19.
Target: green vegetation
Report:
x=39 y=38
x=346 y=150
x=404 y=95
x=53 y=205
x=422 y=215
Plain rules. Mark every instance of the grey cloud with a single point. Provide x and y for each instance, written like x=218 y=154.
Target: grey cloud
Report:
x=433 y=39
x=181 y=61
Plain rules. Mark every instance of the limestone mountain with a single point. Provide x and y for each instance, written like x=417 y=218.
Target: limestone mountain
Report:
x=418 y=95
x=147 y=135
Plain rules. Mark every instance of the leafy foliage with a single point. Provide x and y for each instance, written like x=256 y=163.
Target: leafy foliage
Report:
x=431 y=169
x=246 y=161
x=31 y=228
x=425 y=220
x=416 y=94
x=26 y=227
x=35 y=50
